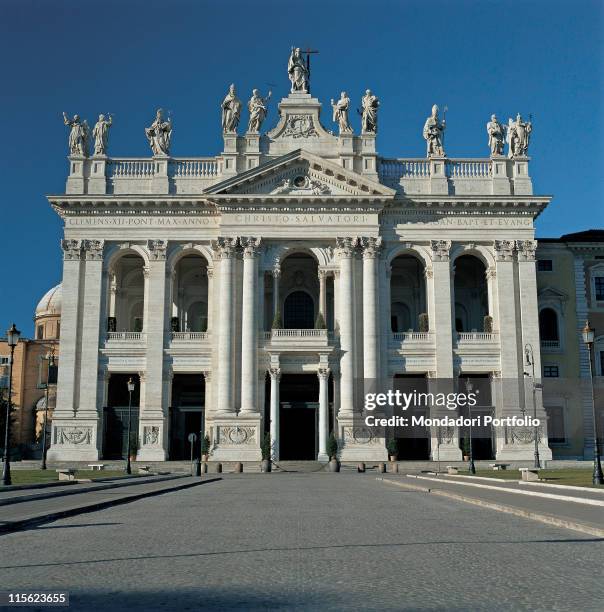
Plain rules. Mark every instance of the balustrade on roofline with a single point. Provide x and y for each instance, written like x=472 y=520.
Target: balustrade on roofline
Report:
x=206 y=167
x=395 y=169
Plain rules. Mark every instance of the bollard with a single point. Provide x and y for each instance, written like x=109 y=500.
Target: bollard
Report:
x=394 y=466
x=196 y=468
x=381 y=468
x=204 y=468
x=361 y=468
x=238 y=468
x=219 y=468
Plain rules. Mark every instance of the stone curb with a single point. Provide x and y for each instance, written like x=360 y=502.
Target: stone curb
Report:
x=138 y=480
x=12 y=526
x=567 y=498
x=530 y=483
x=535 y=516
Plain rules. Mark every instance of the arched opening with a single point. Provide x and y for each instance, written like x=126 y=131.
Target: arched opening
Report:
x=471 y=294
x=298 y=299
x=190 y=294
x=407 y=294
x=298 y=311
x=115 y=439
x=548 y=325
x=127 y=294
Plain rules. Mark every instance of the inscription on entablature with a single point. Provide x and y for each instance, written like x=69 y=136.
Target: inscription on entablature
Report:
x=301 y=219
x=461 y=222
x=155 y=221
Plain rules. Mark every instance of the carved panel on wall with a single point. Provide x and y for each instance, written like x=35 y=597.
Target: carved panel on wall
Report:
x=73 y=435
x=234 y=434
x=151 y=435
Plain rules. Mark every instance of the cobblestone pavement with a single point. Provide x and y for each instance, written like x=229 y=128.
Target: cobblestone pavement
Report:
x=305 y=542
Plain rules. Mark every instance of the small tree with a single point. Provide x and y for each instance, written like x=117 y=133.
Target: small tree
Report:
x=134 y=443
x=424 y=322
x=205 y=445
x=488 y=324
x=320 y=321
x=392 y=447
x=465 y=446
x=266 y=448
x=277 y=323
x=332 y=447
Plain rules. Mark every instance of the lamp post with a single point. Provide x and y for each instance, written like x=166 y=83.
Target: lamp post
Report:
x=530 y=361
x=471 y=467
x=12 y=336
x=130 y=390
x=51 y=363
x=588 y=338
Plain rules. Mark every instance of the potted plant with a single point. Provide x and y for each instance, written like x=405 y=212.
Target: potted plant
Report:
x=277 y=323
x=392 y=447
x=320 y=322
x=134 y=445
x=465 y=448
x=332 y=451
x=205 y=448
x=266 y=449
x=424 y=322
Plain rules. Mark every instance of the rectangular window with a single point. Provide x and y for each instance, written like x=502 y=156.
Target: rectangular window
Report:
x=555 y=425
x=545 y=265
x=599 y=286
x=550 y=371
x=3 y=360
x=40 y=333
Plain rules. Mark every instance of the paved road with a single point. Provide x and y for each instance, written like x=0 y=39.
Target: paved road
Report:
x=305 y=542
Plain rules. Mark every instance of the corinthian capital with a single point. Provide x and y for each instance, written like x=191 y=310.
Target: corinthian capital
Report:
x=346 y=246
x=157 y=249
x=93 y=249
x=440 y=249
x=371 y=246
x=250 y=246
x=504 y=249
x=72 y=249
x=224 y=247
x=526 y=249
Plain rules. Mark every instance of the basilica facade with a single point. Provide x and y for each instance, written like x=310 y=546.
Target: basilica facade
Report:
x=256 y=291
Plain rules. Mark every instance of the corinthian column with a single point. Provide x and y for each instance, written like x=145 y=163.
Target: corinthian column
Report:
x=323 y=374
x=225 y=249
x=371 y=247
x=275 y=374
x=346 y=248
x=249 y=325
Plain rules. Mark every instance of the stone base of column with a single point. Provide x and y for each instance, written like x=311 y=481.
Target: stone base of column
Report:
x=523 y=452
x=322 y=458
x=236 y=437
x=359 y=443
x=153 y=438
x=448 y=450
x=74 y=440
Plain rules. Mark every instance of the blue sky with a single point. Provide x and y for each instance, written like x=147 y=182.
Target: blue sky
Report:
x=543 y=58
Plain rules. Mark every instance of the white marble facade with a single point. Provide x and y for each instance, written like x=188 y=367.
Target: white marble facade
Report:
x=177 y=266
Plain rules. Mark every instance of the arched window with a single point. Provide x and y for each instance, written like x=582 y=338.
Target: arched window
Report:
x=136 y=318
x=299 y=311
x=401 y=317
x=461 y=318
x=548 y=325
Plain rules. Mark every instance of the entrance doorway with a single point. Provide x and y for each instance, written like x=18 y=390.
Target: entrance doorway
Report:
x=186 y=415
x=299 y=409
x=115 y=422
x=414 y=441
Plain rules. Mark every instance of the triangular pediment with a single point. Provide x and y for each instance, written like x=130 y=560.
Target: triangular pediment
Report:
x=551 y=293
x=299 y=174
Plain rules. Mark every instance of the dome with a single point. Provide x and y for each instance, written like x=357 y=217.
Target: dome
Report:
x=50 y=304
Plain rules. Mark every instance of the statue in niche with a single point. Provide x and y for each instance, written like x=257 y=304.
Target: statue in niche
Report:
x=340 y=113
x=101 y=134
x=519 y=134
x=231 y=111
x=496 y=132
x=258 y=110
x=159 y=134
x=369 y=105
x=77 y=135
x=434 y=130
x=297 y=71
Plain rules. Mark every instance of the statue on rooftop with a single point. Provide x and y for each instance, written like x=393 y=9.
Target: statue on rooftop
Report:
x=258 y=110
x=340 y=113
x=496 y=133
x=101 y=134
x=519 y=134
x=159 y=134
x=231 y=111
x=297 y=71
x=434 y=130
x=77 y=135
x=370 y=105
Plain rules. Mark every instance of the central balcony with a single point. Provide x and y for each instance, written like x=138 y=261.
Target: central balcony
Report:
x=298 y=339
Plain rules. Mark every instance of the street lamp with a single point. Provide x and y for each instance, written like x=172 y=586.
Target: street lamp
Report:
x=472 y=467
x=130 y=390
x=12 y=336
x=51 y=364
x=530 y=361
x=588 y=338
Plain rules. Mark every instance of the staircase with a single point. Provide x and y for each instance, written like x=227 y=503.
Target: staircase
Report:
x=300 y=467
